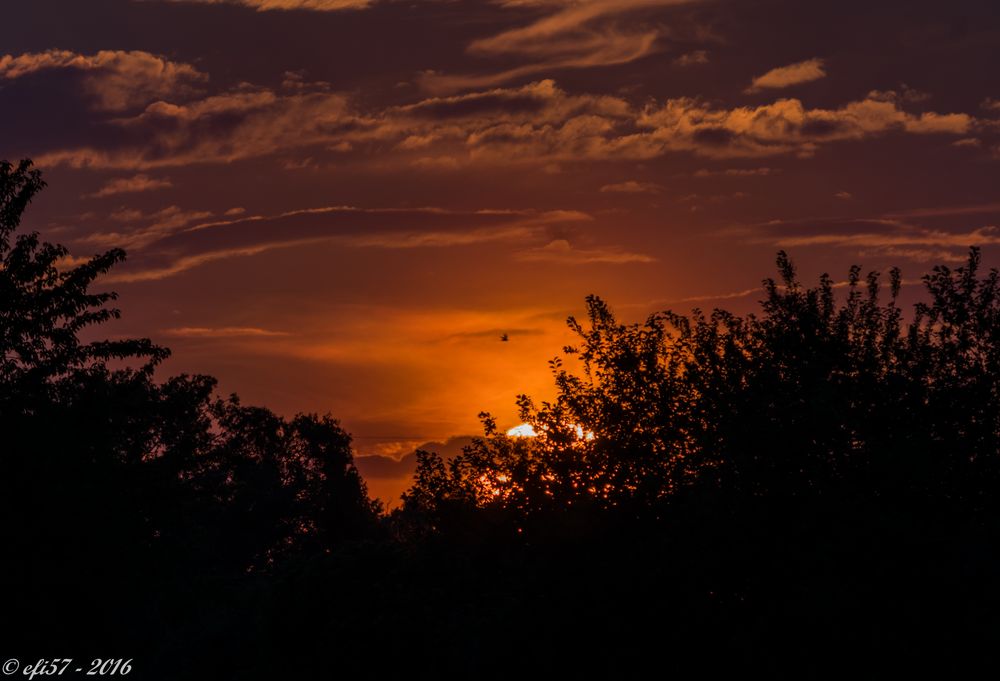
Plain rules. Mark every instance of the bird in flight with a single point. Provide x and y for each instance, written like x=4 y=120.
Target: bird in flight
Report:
x=504 y=337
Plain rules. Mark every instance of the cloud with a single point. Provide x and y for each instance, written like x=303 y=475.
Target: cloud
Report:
x=191 y=261
x=540 y=122
x=128 y=185
x=905 y=94
x=245 y=123
x=437 y=163
x=713 y=198
x=737 y=172
x=200 y=244
x=991 y=104
x=719 y=296
x=903 y=236
x=159 y=225
x=785 y=126
x=970 y=209
x=389 y=472
x=114 y=80
x=934 y=255
x=540 y=102
x=560 y=251
x=537 y=123
x=251 y=122
x=222 y=332
x=632 y=187
x=267 y=5
x=844 y=196
x=692 y=58
x=573 y=35
x=787 y=76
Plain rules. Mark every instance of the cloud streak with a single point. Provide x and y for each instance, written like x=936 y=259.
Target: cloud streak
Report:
x=129 y=185
x=222 y=332
x=786 y=76
x=196 y=245
x=270 y=5
x=561 y=252
x=631 y=187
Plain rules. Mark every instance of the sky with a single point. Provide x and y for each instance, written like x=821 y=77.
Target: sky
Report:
x=342 y=205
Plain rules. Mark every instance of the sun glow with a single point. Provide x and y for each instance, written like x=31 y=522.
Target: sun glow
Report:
x=523 y=430
x=527 y=430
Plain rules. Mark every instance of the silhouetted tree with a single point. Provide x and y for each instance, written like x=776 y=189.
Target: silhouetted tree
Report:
x=812 y=397
x=118 y=489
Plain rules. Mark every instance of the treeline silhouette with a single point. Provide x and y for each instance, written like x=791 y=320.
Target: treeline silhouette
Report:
x=806 y=492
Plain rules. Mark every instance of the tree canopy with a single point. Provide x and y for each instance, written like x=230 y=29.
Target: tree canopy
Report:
x=109 y=475
x=830 y=391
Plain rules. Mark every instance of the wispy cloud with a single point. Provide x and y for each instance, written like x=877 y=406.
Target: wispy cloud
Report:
x=787 y=76
x=632 y=187
x=222 y=332
x=692 y=58
x=198 y=245
x=737 y=172
x=560 y=251
x=574 y=35
x=158 y=225
x=900 y=240
x=130 y=185
x=266 y=5
x=943 y=211
x=191 y=261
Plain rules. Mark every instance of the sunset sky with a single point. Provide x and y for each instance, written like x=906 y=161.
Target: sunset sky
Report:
x=341 y=205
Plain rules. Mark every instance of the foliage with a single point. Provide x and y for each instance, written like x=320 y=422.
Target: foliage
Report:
x=109 y=476
x=818 y=395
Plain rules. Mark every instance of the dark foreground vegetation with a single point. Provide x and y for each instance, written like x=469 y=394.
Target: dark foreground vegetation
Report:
x=809 y=492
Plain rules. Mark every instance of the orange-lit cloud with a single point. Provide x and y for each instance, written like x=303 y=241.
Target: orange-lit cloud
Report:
x=536 y=123
x=130 y=185
x=222 y=332
x=783 y=127
x=692 y=58
x=115 y=80
x=898 y=240
x=763 y=171
x=970 y=209
x=787 y=76
x=221 y=128
x=580 y=34
x=266 y=5
x=157 y=225
x=562 y=252
x=631 y=187
x=195 y=245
